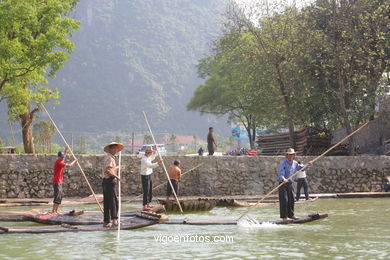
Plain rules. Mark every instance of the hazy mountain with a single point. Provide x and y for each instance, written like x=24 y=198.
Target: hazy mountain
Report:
x=135 y=55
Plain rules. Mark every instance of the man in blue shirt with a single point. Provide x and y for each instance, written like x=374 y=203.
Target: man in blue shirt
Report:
x=286 y=192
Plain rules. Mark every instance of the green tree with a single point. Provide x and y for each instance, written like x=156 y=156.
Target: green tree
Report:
x=196 y=143
x=148 y=138
x=172 y=139
x=274 y=29
x=348 y=55
x=34 y=43
x=237 y=84
x=81 y=145
x=43 y=135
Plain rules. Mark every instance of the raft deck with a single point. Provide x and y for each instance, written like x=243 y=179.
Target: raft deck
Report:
x=126 y=224
x=140 y=221
x=309 y=218
x=71 y=218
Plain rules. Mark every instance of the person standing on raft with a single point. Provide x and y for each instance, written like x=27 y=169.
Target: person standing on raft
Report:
x=110 y=199
x=174 y=173
x=58 y=176
x=147 y=167
x=302 y=182
x=286 y=192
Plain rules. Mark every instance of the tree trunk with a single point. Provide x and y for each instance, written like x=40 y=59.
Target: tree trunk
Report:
x=286 y=98
x=250 y=125
x=253 y=138
x=344 y=115
x=26 y=121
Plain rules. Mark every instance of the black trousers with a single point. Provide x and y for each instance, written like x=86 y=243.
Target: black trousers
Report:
x=175 y=185
x=146 y=189
x=210 y=148
x=57 y=193
x=286 y=200
x=110 y=200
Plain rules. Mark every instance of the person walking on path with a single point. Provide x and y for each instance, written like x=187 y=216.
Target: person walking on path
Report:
x=147 y=167
x=286 y=192
x=58 y=176
x=110 y=199
x=174 y=173
x=211 y=142
x=302 y=181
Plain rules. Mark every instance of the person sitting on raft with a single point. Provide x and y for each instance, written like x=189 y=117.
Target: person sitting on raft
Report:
x=110 y=199
x=286 y=192
x=147 y=167
x=174 y=173
x=58 y=176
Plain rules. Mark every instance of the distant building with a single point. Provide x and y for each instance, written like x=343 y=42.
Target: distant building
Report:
x=134 y=146
x=183 y=143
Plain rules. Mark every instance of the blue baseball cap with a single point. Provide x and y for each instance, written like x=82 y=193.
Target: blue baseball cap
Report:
x=61 y=154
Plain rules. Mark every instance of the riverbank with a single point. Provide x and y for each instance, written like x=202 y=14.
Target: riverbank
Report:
x=30 y=176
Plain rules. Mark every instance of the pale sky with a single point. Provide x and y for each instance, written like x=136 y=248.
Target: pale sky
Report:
x=299 y=3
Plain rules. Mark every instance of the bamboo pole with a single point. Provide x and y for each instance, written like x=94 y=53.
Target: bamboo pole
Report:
x=162 y=162
x=119 y=193
x=78 y=164
x=304 y=167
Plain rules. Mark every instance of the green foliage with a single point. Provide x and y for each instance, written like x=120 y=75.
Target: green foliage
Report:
x=321 y=65
x=148 y=138
x=81 y=146
x=237 y=84
x=34 y=43
x=43 y=132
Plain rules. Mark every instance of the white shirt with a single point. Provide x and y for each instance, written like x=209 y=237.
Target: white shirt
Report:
x=147 y=166
x=301 y=174
x=108 y=163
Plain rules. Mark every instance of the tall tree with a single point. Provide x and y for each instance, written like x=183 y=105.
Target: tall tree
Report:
x=237 y=84
x=148 y=139
x=173 y=139
x=349 y=54
x=274 y=28
x=34 y=43
x=43 y=134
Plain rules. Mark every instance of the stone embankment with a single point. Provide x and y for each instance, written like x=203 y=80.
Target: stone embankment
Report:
x=30 y=176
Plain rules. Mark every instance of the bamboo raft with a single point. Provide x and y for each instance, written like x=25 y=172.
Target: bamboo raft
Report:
x=188 y=205
x=205 y=204
x=144 y=219
x=71 y=218
x=126 y=224
x=309 y=218
x=77 y=221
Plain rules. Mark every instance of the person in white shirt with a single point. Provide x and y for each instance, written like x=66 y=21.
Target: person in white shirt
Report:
x=302 y=181
x=147 y=166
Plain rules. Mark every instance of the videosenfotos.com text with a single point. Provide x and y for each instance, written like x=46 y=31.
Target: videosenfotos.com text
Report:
x=219 y=239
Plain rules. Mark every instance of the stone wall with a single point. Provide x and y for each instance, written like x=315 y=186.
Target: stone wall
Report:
x=29 y=176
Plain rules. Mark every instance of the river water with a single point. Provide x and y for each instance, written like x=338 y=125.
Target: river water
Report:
x=355 y=229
